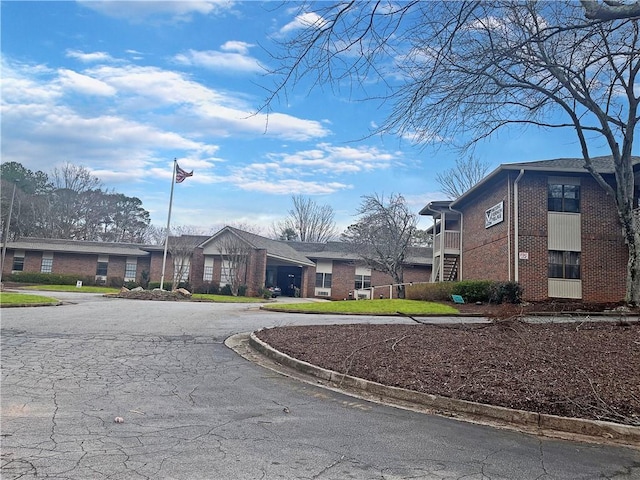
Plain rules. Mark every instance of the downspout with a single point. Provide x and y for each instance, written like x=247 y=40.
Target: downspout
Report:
x=461 y=228
x=516 y=219
x=434 y=275
x=509 y=227
x=443 y=233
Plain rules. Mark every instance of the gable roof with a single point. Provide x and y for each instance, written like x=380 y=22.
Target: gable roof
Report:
x=603 y=165
x=275 y=248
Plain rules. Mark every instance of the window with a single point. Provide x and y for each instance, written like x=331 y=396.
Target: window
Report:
x=208 y=273
x=323 y=280
x=564 y=198
x=18 y=261
x=101 y=269
x=47 y=264
x=362 y=281
x=130 y=270
x=564 y=264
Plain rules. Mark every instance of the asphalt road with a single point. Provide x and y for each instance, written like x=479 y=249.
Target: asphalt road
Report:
x=194 y=409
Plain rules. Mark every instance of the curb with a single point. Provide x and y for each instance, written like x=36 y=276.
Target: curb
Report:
x=23 y=305
x=528 y=422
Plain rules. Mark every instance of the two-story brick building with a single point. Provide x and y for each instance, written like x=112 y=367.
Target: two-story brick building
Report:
x=547 y=225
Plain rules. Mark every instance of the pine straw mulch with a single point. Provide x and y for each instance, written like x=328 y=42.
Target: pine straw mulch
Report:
x=585 y=369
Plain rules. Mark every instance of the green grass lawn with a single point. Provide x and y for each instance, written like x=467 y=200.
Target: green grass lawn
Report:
x=226 y=298
x=382 y=306
x=9 y=298
x=71 y=288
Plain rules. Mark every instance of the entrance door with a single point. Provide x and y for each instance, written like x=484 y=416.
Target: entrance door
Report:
x=290 y=280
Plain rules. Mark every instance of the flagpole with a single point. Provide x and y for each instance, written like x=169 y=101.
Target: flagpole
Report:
x=6 y=233
x=166 y=240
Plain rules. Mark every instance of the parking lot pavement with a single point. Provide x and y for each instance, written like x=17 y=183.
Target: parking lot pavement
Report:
x=193 y=409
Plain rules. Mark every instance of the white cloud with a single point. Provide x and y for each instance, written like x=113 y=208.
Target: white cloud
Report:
x=50 y=117
x=292 y=187
x=236 y=46
x=221 y=62
x=138 y=10
x=304 y=20
x=84 y=84
x=330 y=159
x=89 y=57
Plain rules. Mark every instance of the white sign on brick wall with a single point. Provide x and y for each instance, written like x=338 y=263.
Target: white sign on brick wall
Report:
x=494 y=215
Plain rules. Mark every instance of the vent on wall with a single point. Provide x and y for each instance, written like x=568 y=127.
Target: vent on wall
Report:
x=322 y=294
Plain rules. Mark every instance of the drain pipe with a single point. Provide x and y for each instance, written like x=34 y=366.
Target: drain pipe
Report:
x=516 y=247
x=460 y=247
x=509 y=217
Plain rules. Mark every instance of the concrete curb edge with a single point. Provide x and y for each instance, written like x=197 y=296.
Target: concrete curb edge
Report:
x=543 y=424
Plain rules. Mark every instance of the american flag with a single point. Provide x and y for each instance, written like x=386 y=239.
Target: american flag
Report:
x=182 y=174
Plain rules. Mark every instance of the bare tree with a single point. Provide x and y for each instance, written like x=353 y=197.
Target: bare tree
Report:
x=307 y=222
x=182 y=247
x=382 y=235
x=235 y=256
x=610 y=9
x=457 y=180
x=421 y=238
x=468 y=69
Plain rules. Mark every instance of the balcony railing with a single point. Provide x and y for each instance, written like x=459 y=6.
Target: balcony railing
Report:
x=451 y=242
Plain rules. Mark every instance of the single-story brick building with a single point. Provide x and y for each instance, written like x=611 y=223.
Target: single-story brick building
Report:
x=328 y=270
x=547 y=225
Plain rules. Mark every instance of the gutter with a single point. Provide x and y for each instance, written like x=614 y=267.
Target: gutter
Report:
x=516 y=226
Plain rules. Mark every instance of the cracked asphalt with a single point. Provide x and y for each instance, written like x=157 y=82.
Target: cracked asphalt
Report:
x=194 y=409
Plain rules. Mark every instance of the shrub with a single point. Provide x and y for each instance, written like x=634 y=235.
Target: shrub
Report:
x=473 y=290
x=211 y=288
x=144 y=279
x=265 y=293
x=165 y=286
x=50 y=278
x=226 y=290
x=506 y=292
x=242 y=291
x=429 y=292
x=131 y=285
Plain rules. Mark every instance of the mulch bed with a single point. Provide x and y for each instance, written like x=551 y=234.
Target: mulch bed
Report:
x=585 y=370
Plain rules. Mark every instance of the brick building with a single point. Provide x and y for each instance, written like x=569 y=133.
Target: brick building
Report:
x=547 y=225
x=328 y=270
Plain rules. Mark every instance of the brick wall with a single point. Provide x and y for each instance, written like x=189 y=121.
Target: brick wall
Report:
x=196 y=269
x=256 y=270
x=83 y=265
x=343 y=276
x=533 y=236
x=308 y=288
x=604 y=253
x=485 y=250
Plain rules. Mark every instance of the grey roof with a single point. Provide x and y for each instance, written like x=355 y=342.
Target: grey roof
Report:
x=345 y=251
x=79 y=246
x=275 y=248
x=603 y=165
x=325 y=251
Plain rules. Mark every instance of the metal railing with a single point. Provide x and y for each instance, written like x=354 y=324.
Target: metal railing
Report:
x=451 y=241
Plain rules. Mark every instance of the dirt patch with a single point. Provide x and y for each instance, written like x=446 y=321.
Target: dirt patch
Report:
x=162 y=295
x=584 y=370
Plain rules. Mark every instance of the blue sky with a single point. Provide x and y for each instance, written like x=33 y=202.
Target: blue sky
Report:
x=123 y=88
